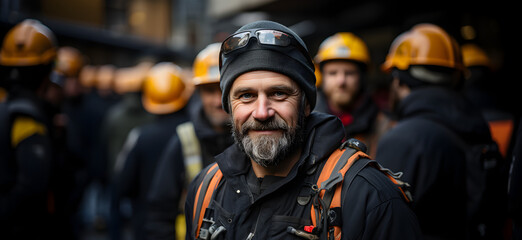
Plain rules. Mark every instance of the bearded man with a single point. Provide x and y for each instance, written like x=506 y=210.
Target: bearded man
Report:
x=281 y=146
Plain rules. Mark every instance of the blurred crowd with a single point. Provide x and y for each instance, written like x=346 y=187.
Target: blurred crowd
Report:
x=106 y=152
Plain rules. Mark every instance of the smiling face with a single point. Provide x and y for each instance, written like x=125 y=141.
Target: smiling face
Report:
x=267 y=115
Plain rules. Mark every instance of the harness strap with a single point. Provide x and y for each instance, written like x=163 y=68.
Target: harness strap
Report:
x=329 y=187
x=328 y=182
x=202 y=200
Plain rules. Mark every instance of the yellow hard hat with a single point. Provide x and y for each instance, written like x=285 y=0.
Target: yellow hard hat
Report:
x=206 y=65
x=164 y=90
x=343 y=46
x=69 y=61
x=424 y=44
x=28 y=43
x=473 y=55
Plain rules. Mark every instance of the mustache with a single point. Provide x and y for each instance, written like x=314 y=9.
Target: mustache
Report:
x=268 y=125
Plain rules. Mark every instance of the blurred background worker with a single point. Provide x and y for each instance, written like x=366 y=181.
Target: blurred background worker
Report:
x=439 y=139
x=165 y=94
x=481 y=89
x=343 y=65
x=120 y=119
x=191 y=149
x=127 y=113
x=26 y=61
x=98 y=99
x=69 y=181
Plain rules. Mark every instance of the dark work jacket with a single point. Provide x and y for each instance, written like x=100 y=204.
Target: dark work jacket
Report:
x=372 y=207
x=169 y=180
x=134 y=179
x=25 y=171
x=427 y=145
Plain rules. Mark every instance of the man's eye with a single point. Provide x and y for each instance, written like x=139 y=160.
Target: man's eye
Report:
x=331 y=73
x=279 y=94
x=350 y=73
x=245 y=96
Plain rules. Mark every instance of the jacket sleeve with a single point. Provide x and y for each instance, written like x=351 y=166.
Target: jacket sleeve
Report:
x=373 y=208
x=165 y=193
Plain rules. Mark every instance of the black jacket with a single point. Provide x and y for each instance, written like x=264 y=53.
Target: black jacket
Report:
x=169 y=180
x=427 y=145
x=372 y=207
x=25 y=171
x=134 y=179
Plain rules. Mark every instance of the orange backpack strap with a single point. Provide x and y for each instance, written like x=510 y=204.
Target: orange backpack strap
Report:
x=202 y=200
x=330 y=184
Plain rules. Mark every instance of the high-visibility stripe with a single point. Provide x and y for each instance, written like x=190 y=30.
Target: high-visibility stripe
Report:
x=24 y=127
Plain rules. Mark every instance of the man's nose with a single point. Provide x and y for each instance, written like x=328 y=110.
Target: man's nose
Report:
x=340 y=79
x=263 y=109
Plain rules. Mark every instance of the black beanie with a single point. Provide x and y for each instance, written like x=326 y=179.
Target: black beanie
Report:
x=289 y=61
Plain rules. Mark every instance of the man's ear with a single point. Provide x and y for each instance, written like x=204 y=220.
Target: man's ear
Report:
x=304 y=104
x=307 y=109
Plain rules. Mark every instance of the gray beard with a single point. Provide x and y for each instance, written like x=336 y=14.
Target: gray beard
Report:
x=269 y=151
x=266 y=151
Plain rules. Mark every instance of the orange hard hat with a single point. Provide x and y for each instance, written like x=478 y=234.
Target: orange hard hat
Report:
x=29 y=43
x=69 y=61
x=424 y=44
x=206 y=65
x=343 y=46
x=164 y=90
x=473 y=55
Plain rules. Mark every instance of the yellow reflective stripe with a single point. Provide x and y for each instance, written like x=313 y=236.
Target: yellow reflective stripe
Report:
x=180 y=226
x=24 y=127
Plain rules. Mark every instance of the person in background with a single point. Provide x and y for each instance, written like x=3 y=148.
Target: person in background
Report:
x=127 y=113
x=121 y=118
x=436 y=136
x=165 y=94
x=191 y=149
x=27 y=58
x=70 y=173
x=343 y=61
x=480 y=88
